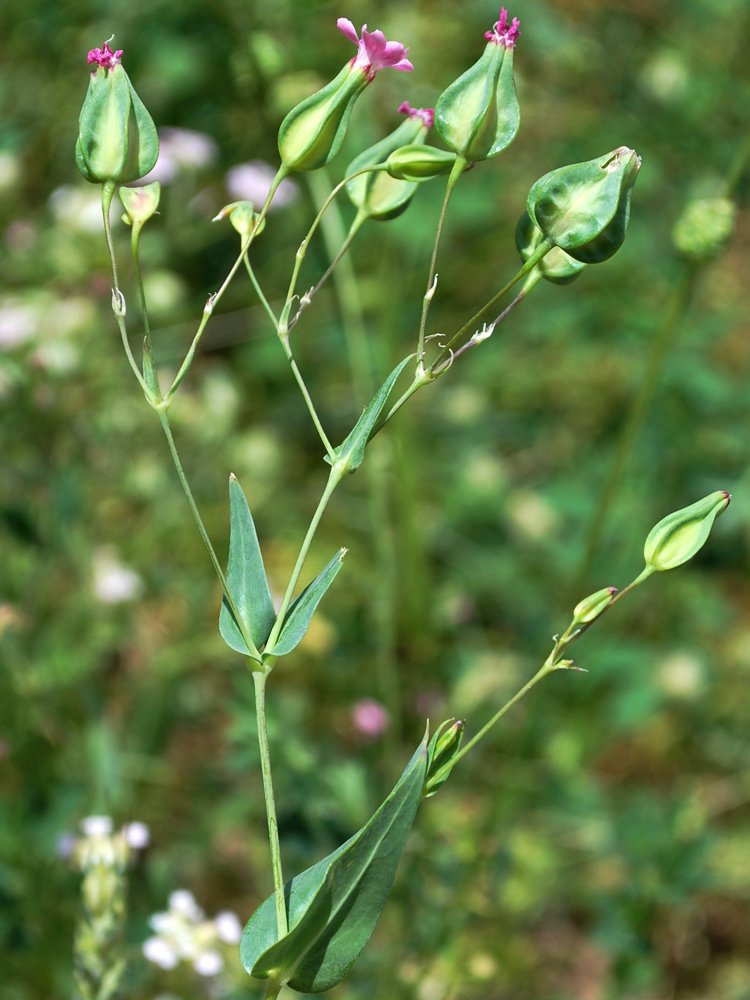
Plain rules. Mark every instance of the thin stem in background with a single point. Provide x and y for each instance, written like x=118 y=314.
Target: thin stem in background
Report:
x=377 y=468
x=659 y=351
x=259 y=681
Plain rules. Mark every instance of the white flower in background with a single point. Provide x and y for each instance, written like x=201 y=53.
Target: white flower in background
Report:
x=137 y=835
x=181 y=149
x=183 y=934
x=114 y=582
x=159 y=952
x=228 y=927
x=209 y=963
x=77 y=207
x=101 y=846
x=252 y=182
x=97 y=826
x=183 y=902
x=19 y=322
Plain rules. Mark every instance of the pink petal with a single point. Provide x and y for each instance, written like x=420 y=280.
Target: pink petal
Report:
x=404 y=65
x=347 y=28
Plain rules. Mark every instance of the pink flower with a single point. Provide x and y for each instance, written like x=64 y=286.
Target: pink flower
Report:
x=503 y=33
x=426 y=114
x=373 y=51
x=105 y=57
x=370 y=717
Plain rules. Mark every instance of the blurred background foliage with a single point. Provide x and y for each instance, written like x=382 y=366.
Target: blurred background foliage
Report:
x=597 y=845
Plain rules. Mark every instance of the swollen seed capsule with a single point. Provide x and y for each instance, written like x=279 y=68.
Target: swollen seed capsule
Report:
x=584 y=208
x=592 y=606
x=477 y=116
x=117 y=140
x=677 y=537
x=312 y=133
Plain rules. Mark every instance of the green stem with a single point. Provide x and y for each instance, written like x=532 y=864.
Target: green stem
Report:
x=134 y=239
x=334 y=479
x=207 y=313
x=336 y=256
x=458 y=168
x=659 y=351
x=259 y=291
x=118 y=299
x=737 y=168
x=330 y=451
x=547 y=668
x=290 y=357
x=259 y=681
x=300 y=256
x=164 y=420
x=531 y=282
x=544 y=247
x=376 y=470
x=273 y=989
x=108 y=190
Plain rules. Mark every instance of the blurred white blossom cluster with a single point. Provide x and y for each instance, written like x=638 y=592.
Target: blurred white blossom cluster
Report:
x=102 y=846
x=183 y=934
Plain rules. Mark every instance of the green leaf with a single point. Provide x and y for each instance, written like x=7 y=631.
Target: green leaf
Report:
x=333 y=907
x=246 y=578
x=351 y=452
x=303 y=608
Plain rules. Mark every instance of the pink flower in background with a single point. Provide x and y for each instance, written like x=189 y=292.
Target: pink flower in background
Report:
x=373 y=51
x=504 y=33
x=105 y=57
x=370 y=717
x=426 y=114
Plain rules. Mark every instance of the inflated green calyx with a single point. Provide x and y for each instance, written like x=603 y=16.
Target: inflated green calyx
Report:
x=584 y=208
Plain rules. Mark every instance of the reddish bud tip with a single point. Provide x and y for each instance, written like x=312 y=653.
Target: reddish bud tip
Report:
x=503 y=33
x=105 y=57
x=426 y=114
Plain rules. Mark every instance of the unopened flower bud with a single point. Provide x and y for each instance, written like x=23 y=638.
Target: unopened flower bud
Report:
x=312 y=133
x=243 y=217
x=117 y=140
x=443 y=748
x=592 y=606
x=704 y=228
x=584 y=208
x=419 y=163
x=677 y=537
x=377 y=195
x=556 y=265
x=477 y=116
x=140 y=203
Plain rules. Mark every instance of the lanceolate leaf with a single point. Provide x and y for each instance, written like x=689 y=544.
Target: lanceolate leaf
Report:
x=303 y=608
x=246 y=578
x=333 y=907
x=352 y=450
